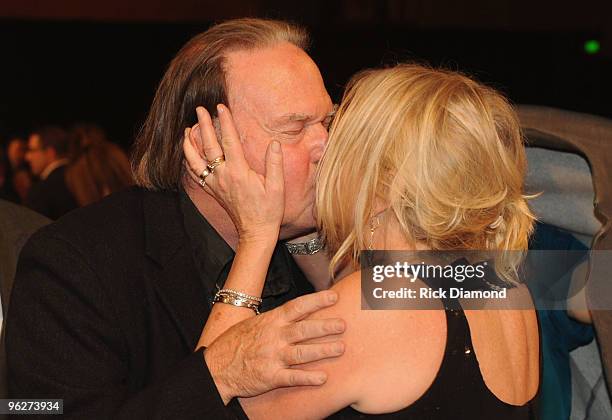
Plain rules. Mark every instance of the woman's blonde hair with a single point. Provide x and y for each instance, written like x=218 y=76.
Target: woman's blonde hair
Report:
x=444 y=153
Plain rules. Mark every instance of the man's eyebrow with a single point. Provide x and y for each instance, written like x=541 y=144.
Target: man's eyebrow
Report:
x=330 y=115
x=306 y=117
x=297 y=117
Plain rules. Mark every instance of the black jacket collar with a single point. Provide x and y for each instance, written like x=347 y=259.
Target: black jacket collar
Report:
x=174 y=273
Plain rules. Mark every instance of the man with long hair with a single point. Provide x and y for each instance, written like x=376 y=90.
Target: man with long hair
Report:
x=109 y=303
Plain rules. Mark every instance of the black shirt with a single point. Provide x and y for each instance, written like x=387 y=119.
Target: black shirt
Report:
x=214 y=257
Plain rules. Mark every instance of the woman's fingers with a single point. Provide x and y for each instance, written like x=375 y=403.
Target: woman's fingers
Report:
x=230 y=138
x=201 y=146
x=195 y=162
x=208 y=137
x=274 y=168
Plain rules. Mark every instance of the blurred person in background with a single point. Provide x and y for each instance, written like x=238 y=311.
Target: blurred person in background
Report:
x=100 y=169
x=16 y=151
x=21 y=182
x=21 y=175
x=83 y=134
x=47 y=155
x=16 y=225
x=4 y=175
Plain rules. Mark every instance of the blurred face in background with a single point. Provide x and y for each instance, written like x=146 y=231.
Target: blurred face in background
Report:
x=16 y=152
x=22 y=182
x=38 y=156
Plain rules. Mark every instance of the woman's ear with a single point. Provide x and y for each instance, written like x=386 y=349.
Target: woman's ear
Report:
x=379 y=206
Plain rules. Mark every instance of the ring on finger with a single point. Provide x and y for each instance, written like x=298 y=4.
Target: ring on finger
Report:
x=203 y=175
x=214 y=163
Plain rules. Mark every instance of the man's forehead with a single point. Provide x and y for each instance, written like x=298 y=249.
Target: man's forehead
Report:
x=282 y=80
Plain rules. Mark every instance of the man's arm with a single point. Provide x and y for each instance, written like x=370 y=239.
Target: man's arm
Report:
x=64 y=341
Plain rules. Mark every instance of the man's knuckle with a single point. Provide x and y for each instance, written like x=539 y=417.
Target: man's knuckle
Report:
x=296 y=334
x=298 y=355
x=293 y=379
x=302 y=329
x=299 y=306
x=285 y=333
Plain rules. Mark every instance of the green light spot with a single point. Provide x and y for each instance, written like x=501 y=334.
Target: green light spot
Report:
x=591 y=46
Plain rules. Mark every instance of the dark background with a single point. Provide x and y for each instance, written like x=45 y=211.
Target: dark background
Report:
x=69 y=60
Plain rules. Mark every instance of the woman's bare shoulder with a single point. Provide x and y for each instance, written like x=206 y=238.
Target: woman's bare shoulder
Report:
x=390 y=359
x=383 y=345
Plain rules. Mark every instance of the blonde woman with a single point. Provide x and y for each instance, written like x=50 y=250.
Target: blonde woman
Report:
x=417 y=159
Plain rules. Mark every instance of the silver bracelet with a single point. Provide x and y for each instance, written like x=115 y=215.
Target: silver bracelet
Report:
x=239 y=299
x=305 y=248
x=241 y=294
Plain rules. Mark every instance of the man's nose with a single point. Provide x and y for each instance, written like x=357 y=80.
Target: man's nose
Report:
x=319 y=140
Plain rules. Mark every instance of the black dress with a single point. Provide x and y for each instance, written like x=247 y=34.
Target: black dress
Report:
x=458 y=391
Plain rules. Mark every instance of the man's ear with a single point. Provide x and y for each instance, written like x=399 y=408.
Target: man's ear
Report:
x=195 y=137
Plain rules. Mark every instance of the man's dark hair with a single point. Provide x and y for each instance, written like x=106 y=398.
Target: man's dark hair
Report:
x=196 y=77
x=54 y=137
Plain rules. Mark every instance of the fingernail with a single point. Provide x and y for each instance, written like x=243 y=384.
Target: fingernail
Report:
x=321 y=379
x=275 y=146
x=339 y=326
x=332 y=297
x=220 y=109
x=338 y=348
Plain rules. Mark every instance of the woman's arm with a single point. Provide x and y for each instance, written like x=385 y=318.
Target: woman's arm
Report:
x=316 y=266
x=255 y=204
x=247 y=275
